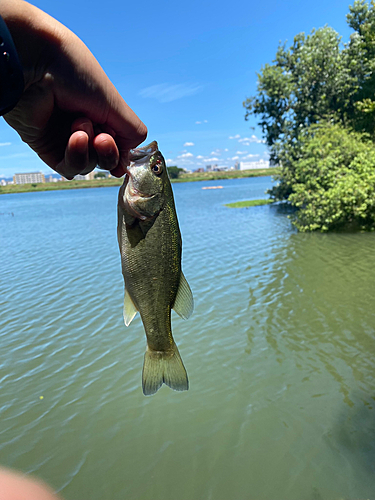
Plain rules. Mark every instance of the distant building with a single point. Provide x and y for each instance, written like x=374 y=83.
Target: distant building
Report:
x=248 y=165
x=212 y=168
x=51 y=178
x=29 y=178
x=87 y=177
x=3 y=182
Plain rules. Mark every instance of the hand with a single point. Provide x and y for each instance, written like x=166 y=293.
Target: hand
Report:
x=16 y=486
x=70 y=114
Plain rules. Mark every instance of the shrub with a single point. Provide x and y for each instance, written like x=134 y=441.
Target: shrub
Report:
x=332 y=179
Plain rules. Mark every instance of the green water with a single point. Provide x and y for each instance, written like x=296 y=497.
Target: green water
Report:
x=279 y=352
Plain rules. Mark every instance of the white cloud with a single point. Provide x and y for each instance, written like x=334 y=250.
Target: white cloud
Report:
x=166 y=92
x=217 y=152
x=252 y=156
x=200 y=157
x=185 y=155
x=188 y=144
x=212 y=159
x=16 y=155
x=235 y=158
x=5 y=144
x=199 y=123
x=241 y=152
x=248 y=140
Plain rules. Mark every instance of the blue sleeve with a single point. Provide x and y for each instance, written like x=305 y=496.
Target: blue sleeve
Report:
x=11 y=73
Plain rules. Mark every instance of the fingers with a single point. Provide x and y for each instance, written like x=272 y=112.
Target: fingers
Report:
x=80 y=156
x=130 y=131
x=85 y=151
x=77 y=158
x=107 y=152
x=125 y=143
x=119 y=171
x=88 y=147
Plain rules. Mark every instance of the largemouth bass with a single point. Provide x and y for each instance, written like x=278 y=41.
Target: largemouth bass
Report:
x=150 y=246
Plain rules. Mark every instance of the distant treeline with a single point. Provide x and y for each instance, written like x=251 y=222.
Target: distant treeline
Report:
x=113 y=182
x=316 y=106
x=174 y=172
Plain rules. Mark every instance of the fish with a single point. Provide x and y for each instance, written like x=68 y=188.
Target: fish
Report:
x=151 y=248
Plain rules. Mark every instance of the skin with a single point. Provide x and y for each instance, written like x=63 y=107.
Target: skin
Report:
x=15 y=486
x=70 y=113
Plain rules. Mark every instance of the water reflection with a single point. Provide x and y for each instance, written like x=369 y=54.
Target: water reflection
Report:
x=316 y=306
x=312 y=314
x=280 y=355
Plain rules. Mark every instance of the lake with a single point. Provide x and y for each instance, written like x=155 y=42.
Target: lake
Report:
x=280 y=352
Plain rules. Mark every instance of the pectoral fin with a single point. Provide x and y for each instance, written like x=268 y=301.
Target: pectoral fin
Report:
x=184 y=303
x=129 y=309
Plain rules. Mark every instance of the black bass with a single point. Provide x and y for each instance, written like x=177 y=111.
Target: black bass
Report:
x=150 y=245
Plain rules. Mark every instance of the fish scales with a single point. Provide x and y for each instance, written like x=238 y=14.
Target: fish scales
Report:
x=150 y=246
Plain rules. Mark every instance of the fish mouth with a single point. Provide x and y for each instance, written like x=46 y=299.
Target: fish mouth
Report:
x=141 y=155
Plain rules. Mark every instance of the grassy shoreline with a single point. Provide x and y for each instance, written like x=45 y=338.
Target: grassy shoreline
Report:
x=249 y=203
x=193 y=177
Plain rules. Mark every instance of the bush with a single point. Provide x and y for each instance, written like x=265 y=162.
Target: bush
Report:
x=330 y=176
x=174 y=172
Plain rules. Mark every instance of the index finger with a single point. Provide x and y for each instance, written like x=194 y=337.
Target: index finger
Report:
x=129 y=130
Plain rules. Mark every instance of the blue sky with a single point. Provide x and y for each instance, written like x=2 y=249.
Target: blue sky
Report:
x=184 y=68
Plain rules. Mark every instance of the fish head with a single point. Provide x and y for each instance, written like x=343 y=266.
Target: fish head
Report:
x=146 y=178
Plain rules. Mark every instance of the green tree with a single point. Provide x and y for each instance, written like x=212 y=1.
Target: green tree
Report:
x=333 y=181
x=361 y=59
x=304 y=84
x=174 y=172
x=317 y=78
x=321 y=90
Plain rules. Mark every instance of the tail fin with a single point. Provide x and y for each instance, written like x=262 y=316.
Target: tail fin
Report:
x=163 y=367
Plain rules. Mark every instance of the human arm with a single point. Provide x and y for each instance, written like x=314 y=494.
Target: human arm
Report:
x=70 y=113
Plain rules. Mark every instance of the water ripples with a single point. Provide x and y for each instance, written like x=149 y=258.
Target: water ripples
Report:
x=279 y=352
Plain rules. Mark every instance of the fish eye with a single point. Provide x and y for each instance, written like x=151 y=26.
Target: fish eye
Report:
x=157 y=168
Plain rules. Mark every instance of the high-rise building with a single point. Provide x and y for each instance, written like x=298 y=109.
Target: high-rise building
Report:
x=29 y=178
